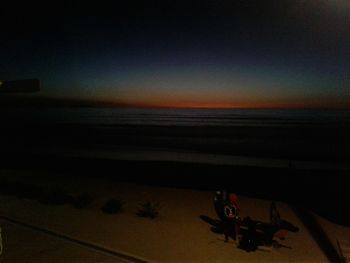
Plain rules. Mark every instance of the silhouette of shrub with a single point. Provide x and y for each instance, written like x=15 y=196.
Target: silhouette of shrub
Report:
x=7 y=188
x=20 y=190
x=55 y=196
x=28 y=191
x=112 y=206
x=149 y=209
x=82 y=201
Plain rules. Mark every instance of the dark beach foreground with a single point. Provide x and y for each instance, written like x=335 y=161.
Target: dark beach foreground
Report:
x=182 y=222
x=323 y=192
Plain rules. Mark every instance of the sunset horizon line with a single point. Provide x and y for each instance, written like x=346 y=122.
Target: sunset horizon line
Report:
x=50 y=101
x=253 y=104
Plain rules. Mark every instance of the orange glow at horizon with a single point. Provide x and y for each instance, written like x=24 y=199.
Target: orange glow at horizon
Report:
x=232 y=105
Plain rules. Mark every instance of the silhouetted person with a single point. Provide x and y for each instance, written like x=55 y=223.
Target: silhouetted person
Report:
x=280 y=227
x=275 y=217
x=220 y=200
x=231 y=220
x=249 y=241
x=229 y=223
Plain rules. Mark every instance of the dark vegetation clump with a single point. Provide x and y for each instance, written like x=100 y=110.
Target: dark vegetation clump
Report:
x=112 y=206
x=54 y=196
x=82 y=201
x=28 y=191
x=149 y=209
x=20 y=190
x=7 y=188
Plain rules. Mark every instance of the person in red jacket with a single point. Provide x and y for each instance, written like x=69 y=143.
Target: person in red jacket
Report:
x=231 y=222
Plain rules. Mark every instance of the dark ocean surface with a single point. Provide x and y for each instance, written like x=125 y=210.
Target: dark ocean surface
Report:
x=317 y=135
x=178 y=117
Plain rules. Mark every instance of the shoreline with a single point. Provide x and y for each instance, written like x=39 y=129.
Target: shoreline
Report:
x=140 y=154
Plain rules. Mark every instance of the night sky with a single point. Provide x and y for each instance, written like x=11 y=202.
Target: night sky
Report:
x=183 y=53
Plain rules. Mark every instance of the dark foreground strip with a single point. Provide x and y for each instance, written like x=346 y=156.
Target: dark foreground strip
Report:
x=319 y=235
x=77 y=241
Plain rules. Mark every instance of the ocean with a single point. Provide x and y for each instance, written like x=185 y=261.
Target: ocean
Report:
x=311 y=135
x=263 y=153
x=177 y=117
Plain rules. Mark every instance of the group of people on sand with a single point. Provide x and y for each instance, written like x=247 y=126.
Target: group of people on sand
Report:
x=226 y=206
x=249 y=234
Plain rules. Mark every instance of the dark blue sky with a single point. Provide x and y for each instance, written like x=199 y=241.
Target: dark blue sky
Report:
x=174 y=53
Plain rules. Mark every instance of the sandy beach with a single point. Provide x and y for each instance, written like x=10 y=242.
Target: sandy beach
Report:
x=177 y=235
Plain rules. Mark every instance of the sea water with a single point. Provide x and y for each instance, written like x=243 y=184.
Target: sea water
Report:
x=177 y=117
